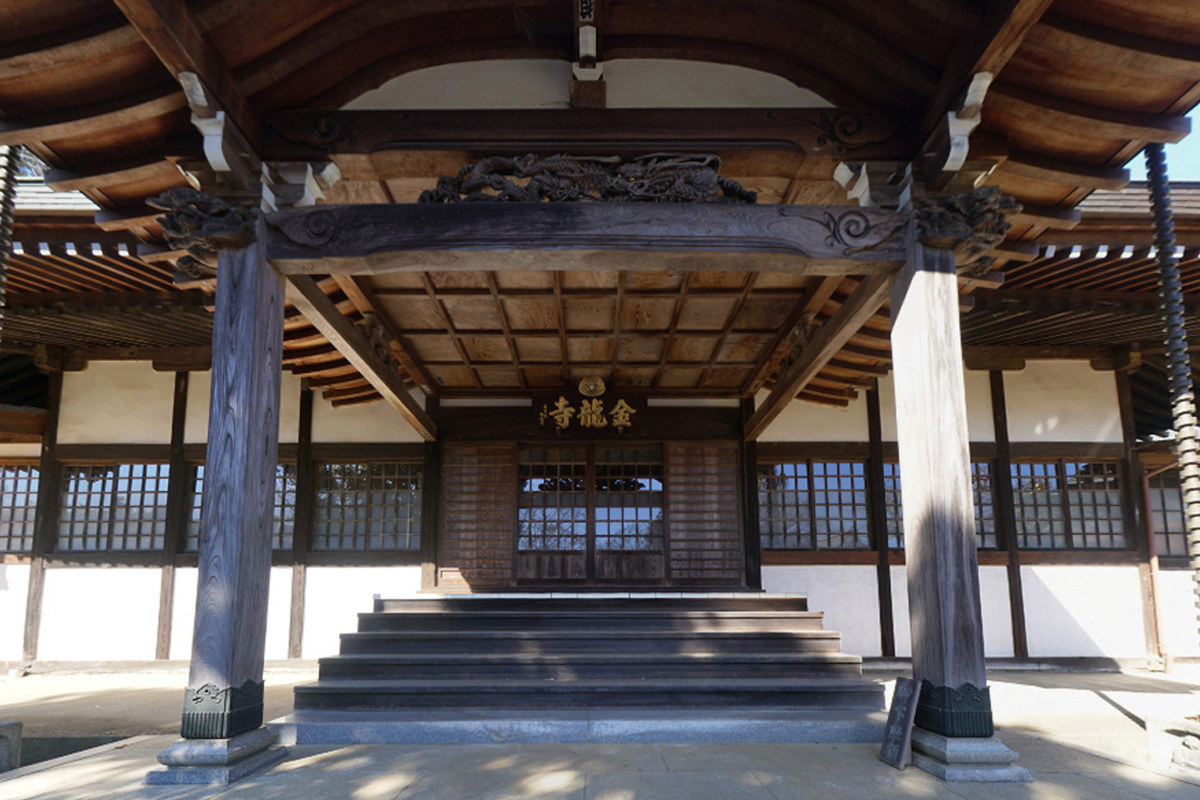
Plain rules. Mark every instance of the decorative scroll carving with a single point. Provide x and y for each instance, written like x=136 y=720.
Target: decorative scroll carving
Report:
x=970 y=224
x=846 y=230
x=203 y=226
x=840 y=129
x=654 y=178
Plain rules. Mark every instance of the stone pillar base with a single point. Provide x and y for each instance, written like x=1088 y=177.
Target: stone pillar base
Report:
x=216 y=761
x=978 y=760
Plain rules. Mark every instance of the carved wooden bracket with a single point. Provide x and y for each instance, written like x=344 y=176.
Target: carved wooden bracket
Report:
x=203 y=226
x=970 y=224
x=654 y=178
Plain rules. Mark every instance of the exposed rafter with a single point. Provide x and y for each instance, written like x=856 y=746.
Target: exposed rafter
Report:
x=860 y=306
x=168 y=28
x=304 y=293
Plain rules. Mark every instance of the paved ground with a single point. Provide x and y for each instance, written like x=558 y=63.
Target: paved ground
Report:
x=1079 y=734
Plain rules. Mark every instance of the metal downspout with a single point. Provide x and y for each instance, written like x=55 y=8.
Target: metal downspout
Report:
x=1179 y=368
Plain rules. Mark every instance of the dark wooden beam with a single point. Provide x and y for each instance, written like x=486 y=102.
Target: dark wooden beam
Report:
x=988 y=48
x=304 y=293
x=1057 y=170
x=859 y=133
x=168 y=28
x=862 y=303
x=375 y=239
x=1002 y=495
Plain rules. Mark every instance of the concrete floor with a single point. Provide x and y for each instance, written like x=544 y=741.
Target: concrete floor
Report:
x=1078 y=733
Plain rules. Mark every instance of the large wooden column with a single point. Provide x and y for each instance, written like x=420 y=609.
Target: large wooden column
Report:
x=939 y=529
x=225 y=685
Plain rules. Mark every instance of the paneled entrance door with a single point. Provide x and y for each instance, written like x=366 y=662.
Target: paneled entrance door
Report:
x=590 y=514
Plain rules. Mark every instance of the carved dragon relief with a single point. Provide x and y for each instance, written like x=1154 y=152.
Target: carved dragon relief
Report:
x=653 y=178
x=203 y=226
x=970 y=224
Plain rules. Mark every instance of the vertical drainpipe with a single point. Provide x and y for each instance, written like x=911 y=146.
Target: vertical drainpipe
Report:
x=9 y=156
x=1179 y=368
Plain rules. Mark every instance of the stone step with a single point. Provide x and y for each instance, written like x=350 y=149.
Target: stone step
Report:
x=590 y=666
x=597 y=619
x=504 y=643
x=810 y=693
x=556 y=604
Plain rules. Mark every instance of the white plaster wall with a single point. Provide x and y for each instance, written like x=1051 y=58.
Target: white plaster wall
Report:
x=335 y=596
x=92 y=614
x=846 y=594
x=116 y=402
x=14 y=586
x=369 y=422
x=20 y=450
x=1177 y=613
x=183 y=612
x=195 y=427
x=545 y=83
x=1083 y=611
x=1062 y=401
x=979 y=407
x=802 y=421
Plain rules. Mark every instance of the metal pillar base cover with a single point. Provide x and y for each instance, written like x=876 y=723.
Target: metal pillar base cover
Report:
x=965 y=711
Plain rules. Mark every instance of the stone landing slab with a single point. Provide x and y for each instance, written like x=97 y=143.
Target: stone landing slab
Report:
x=608 y=725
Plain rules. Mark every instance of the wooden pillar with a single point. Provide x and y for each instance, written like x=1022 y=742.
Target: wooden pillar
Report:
x=877 y=520
x=225 y=684
x=302 y=530
x=45 y=527
x=179 y=487
x=939 y=528
x=753 y=545
x=1002 y=495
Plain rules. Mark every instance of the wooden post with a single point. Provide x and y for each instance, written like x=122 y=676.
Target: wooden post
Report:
x=750 y=495
x=302 y=529
x=179 y=487
x=877 y=510
x=939 y=529
x=225 y=684
x=49 y=499
x=1002 y=495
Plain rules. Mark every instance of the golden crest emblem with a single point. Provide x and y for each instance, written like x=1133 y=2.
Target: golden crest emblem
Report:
x=592 y=386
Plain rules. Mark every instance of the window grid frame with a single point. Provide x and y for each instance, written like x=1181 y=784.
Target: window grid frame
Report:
x=1073 y=532
x=1165 y=534
x=148 y=531
x=893 y=492
x=21 y=524
x=813 y=535
x=533 y=529
x=412 y=521
x=655 y=539
x=283 y=527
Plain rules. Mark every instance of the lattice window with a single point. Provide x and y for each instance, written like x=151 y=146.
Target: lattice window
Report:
x=839 y=490
x=893 y=505
x=629 y=498
x=981 y=490
x=1166 y=514
x=813 y=504
x=372 y=506
x=784 y=508
x=1068 y=504
x=113 y=507
x=284 y=516
x=18 y=506
x=1038 y=510
x=552 y=500
x=985 y=506
x=1094 y=504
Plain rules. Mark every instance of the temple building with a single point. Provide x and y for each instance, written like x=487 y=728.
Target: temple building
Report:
x=810 y=332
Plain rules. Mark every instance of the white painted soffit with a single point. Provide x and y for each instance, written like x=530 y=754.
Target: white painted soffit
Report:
x=544 y=83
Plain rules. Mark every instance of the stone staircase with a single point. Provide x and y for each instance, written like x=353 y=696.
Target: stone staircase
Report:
x=570 y=654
